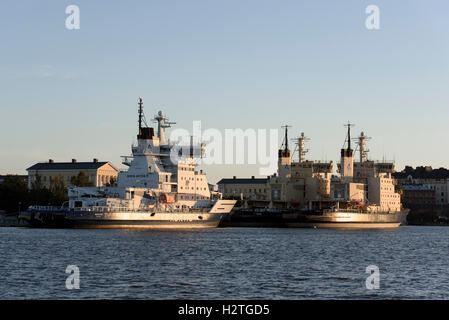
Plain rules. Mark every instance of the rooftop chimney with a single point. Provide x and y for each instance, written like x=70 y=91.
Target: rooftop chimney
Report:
x=95 y=160
x=252 y=177
x=234 y=177
x=51 y=161
x=73 y=160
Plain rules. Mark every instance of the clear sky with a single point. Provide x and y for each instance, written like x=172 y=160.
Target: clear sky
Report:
x=232 y=64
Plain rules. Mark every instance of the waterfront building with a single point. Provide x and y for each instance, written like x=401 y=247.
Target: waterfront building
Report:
x=243 y=188
x=418 y=195
x=99 y=173
x=434 y=179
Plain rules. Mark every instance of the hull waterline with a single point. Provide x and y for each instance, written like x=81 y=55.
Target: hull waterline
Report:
x=347 y=220
x=122 y=221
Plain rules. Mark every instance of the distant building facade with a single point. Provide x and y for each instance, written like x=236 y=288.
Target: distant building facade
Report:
x=246 y=189
x=99 y=173
x=433 y=179
x=417 y=195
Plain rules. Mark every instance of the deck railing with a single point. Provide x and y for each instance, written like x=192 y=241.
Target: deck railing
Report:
x=45 y=208
x=105 y=209
x=356 y=211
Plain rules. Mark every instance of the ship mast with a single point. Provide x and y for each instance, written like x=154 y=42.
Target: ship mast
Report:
x=362 y=146
x=140 y=114
x=284 y=157
x=348 y=135
x=162 y=123
x=301 y=143
x=347 y=157
x=286 y=137
x=145 y=132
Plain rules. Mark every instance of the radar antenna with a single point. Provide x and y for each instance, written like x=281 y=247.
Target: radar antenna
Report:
x=301 y=145
x=162 y=124
x=361 y=145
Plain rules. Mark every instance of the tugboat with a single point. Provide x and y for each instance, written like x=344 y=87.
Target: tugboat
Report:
x=161 y=189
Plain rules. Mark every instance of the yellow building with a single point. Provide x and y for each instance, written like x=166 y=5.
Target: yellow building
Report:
x=246 y=189
x=99 y=173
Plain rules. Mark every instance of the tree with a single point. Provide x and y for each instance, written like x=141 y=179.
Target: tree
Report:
x=81 y=180
x=13 y=194
x=58 y=190
x=398 y=189
x=37 y=183
x=38 y=194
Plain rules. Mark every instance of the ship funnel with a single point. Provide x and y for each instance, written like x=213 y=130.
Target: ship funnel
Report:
x=347 y=156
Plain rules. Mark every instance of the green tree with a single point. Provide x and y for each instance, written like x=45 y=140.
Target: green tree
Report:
x=58 y=190
x=13 y=194
x=398 y=188
x=37 y=183
x=81 y=180
x=38 y=194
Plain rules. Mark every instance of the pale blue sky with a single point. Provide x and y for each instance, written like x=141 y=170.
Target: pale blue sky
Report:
x=232 y=64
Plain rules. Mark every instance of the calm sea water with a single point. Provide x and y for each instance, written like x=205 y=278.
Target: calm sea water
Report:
x=229 y=263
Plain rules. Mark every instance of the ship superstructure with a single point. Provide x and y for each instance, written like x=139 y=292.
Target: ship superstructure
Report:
x=298 y=181
x=306 y=193
x=162 y=188
x=362 y=196
x=152 y=165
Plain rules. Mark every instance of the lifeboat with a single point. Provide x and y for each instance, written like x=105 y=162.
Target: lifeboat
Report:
x=358 y=204
x=166 y=198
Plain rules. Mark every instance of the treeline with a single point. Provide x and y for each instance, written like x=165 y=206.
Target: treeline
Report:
x=15 y=195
